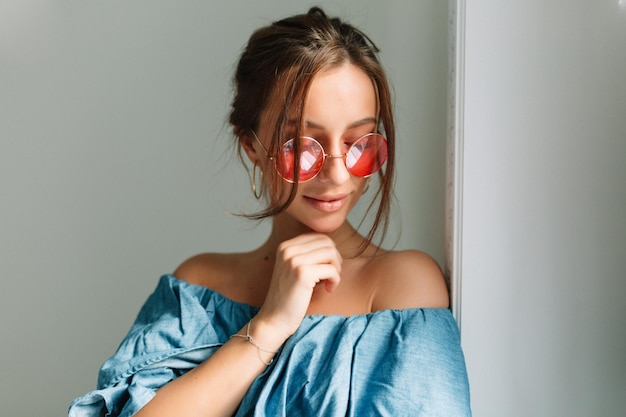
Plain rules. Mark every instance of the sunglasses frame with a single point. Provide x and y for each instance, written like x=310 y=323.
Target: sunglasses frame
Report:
x=325 y=155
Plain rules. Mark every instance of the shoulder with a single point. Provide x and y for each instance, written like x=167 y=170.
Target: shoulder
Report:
x=408 y=279
x=236 y=276
x=207 y=269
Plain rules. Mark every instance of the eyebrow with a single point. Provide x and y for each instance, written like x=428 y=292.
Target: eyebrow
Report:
x=358 y=123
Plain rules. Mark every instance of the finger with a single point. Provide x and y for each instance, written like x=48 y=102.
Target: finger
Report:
x=315 y=274
x=317 y=239
x=317 y=245
x=330 y=284
x=318 y=256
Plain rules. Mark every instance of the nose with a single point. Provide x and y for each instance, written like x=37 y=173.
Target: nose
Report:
x=334 y=170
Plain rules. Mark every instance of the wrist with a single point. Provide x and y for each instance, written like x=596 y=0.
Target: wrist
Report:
x=267 y=335
x=265 y=355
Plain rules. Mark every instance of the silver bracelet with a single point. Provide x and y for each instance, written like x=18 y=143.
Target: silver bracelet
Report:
x=255 y=344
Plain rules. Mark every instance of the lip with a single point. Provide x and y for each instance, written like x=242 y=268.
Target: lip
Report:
x=329 y=203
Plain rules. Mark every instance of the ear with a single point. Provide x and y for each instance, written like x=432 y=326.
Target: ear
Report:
x=249 y=145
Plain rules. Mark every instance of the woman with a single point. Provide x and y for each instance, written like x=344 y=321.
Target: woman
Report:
x=319 y=320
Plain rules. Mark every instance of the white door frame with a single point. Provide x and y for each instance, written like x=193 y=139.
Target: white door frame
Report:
x=454 y=158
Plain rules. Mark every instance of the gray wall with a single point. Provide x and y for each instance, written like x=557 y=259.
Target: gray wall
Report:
x=114 y=163
x=544 y=207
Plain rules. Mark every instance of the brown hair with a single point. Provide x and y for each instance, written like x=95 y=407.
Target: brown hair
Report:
x=279 y=62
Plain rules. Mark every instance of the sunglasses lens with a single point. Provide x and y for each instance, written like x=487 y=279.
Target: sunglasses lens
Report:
x=367 y=155
x=364 y=158
x=311 y=159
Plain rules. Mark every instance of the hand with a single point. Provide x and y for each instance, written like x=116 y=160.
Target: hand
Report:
x=301 y=264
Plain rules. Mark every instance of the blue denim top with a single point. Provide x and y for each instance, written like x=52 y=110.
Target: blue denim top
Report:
x=386 y=363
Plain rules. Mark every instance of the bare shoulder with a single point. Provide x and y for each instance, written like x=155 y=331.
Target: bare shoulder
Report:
x=207 y=269
x=409 y=279
x=237 y=276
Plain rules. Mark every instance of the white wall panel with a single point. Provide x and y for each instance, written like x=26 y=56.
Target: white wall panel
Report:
x=544 y=207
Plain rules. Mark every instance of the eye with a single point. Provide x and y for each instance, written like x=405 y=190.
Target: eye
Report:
x=350 y=140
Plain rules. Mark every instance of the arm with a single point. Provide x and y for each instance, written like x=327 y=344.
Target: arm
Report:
x=217 y=386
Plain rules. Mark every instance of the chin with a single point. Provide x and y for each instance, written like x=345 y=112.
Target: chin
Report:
x=324 y=230
x=325 y=226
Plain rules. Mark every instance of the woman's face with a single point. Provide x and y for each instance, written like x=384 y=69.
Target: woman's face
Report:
x=340 y=107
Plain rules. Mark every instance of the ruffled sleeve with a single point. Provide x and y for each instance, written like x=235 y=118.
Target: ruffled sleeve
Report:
x=178 y=327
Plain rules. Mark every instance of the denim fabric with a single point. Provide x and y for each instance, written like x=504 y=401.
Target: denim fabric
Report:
x=386 y=363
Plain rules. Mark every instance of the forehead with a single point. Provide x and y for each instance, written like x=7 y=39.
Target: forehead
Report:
x=339 y=96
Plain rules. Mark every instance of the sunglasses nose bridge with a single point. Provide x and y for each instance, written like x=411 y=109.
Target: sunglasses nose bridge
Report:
x=330 y=155
x=333 y=168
